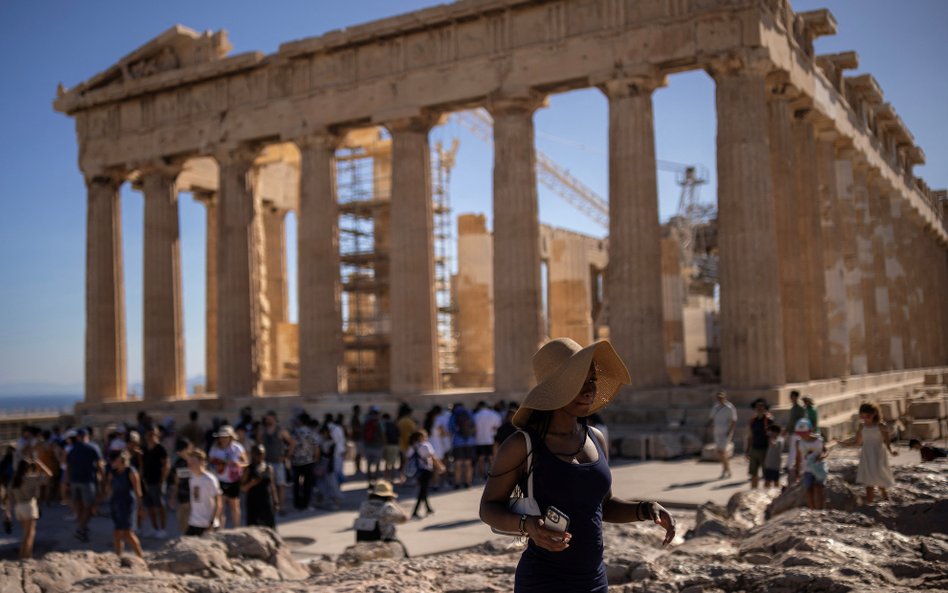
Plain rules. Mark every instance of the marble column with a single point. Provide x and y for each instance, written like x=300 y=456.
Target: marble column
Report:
x=242 y=353
x=852 y=283
x=163 y=324
x=895 y=279
x=518 y=324
x=209 y=199
x=908 y=257
x=634 y=273
x=806 y=188
x=320 y=309
x=752 y=350
x=105 y=365
x=865 y=265
x=414 y=340
x=836 y=352
x=274 y=232
x=881 y=326
x=789 y=240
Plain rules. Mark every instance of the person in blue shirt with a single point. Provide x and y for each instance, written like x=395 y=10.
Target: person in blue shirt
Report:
x=84 y=463
x=463 y=445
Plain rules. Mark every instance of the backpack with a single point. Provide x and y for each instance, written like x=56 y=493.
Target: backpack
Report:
x=412 y=465
x=372 y=434
x=466 y=427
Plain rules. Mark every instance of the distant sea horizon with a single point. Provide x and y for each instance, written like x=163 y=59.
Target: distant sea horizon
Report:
x=35 y=403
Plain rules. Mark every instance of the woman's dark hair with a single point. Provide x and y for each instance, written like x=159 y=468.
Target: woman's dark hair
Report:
x=539 y=422
x=417 y=436
x=21 y=469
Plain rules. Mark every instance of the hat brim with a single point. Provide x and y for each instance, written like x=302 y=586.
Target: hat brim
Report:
x=564 y=385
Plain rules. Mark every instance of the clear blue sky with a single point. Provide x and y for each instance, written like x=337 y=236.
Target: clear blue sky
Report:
x=42 y=225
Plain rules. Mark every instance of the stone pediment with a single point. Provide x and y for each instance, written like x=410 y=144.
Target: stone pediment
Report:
x=177 y=48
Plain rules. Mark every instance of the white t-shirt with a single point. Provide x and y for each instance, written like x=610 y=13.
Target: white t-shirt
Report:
x=486 y=422
x=204 y=491
x=810 y=450
x=224 y=462
x=440 y=437
x=722 y=415
x=425 y=453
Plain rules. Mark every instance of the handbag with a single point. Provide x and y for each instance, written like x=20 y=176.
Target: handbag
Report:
x=521 y=503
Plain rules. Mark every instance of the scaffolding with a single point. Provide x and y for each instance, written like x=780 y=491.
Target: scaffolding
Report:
x=442 y=161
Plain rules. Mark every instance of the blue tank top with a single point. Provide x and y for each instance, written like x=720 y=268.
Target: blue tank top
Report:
x=576 y=489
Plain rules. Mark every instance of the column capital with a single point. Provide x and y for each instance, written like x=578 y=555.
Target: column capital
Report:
x=747 y=62
x=204 y=196
x=524 y=101
x=633 y=85
x=318 y=139
x=419 y=121
x=243 y=152
x=110 y=176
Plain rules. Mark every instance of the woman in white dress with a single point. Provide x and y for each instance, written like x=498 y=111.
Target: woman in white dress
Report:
x=873 y=435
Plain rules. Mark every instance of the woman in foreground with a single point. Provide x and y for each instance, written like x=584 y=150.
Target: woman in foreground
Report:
x=570 y=471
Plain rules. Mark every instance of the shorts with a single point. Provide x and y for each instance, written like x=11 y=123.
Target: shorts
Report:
x=756 y=460
x=485 y=450
x=25 y=511
x=198 y=531
x=463 y=453
x=230 y=489
x=390 y=453
x=83 y=493
x=809 y=481
x=373 y=455
x=721 y=440
x=153 y=496
x=279 y=473
x=772 y=475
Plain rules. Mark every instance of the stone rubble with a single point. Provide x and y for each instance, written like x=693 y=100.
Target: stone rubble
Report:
x=889 y=547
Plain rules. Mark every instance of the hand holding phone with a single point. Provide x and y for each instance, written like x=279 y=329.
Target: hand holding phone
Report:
x=556 y=520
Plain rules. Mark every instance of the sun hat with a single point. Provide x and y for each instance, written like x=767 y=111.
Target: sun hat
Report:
x=225 y=431
x=71 y=433
x=383 y=488
x=560 y=367
x=803 y=425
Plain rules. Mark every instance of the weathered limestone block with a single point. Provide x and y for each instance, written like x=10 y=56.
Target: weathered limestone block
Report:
x=927 y=410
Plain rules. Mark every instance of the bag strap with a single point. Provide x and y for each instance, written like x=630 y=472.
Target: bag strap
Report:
x=526 y=436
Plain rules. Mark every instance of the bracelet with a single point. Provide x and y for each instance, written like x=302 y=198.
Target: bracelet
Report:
x=523 y=525
x=647 y=516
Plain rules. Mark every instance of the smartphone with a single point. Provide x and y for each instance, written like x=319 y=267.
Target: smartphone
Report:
x=556 y=520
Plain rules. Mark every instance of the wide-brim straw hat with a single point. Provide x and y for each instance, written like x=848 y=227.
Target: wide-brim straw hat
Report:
x=384 y=489
x=561 y=366
x=225 y=431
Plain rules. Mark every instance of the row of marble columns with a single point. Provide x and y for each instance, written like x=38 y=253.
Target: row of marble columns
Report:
x=822 y=271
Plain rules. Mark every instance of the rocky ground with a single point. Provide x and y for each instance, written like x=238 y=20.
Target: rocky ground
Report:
x=755 y=543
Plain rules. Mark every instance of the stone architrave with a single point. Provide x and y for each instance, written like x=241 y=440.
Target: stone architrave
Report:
x=518 y=325
x=634 y=273
x=865 y=261
x=837 y=351
x=852 y=283
x=106 y=370
x=414 y=340
x=752 y=350
x=210 y=200
x=320 y=309
x=242 y=353
x=274 y=232
x=881 y=326
x=162 y=322
x=789 y=243
x=810 y=230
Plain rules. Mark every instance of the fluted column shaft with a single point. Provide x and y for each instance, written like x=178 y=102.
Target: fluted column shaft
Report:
x=241 y=341
x=414 y=338
x=274 y=231
x=865 y=263
x=895 y=280
x=162 y=322
x=789 y=240
x=811 y=250
x=880 y=328
x=105 y=364
x=852 y=282
x=320 y=310
x=209 y=199
x=518 y=325
x=752 y=351
x=634 y=274
x=907 y=259
x=837 y=351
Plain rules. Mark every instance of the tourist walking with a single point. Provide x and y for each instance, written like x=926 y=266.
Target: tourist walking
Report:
x=874 y=436
x=422 y=463
x=327 y=478
x=260 y=486
x=355 y=435
x=811 y=451
x=463 y=445
x=193 y=431
x=796 y=412
x=278 y=444
x=28 y=479
x=180 y=499
x=809 y=408
x=773 y=457
x=723 y=421
x=229 y=458
x=373 y=438
x=486 y=423
x=206 y=498
x=84 y=464
x=126 y=488
x=755 y=450
x=303 y=461
x=391 y=453
x=155 y=469
x=570 y=471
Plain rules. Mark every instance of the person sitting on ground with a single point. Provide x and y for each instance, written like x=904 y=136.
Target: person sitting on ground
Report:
x=260 y=486
x=207 y=504
x=811 y=451
x=126 y=488
x=22 y=503
x=928 y=451
x=772 y=459
x=379 y=514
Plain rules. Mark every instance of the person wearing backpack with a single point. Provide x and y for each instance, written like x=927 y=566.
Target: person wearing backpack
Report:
x=421 y=464
x=463 y=445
